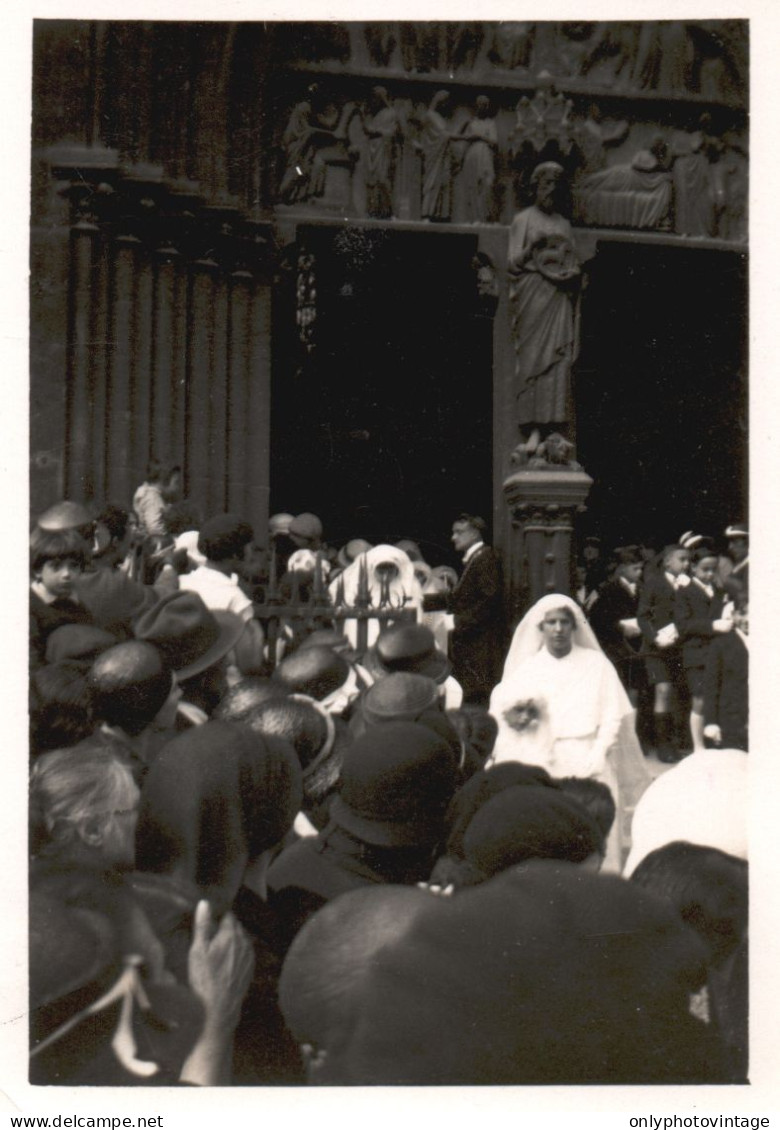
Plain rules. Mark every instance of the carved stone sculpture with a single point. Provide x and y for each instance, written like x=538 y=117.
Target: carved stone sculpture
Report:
x=593 y=134
x=512 y=45
x=611 y=54
x=542 y=121
x=381 y=41
x=315 y=141
x=544 y=284
x=478 y=172
x=383 y=135
x=439 y=160
x=637 y=195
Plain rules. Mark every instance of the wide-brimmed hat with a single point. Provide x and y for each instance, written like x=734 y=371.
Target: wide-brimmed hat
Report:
x=400 y=697
x=396 y=782
x=77 y=641
x=65 y=515
x=407 y=647
x=191 y=636
x=738 y=530
x=314 y=671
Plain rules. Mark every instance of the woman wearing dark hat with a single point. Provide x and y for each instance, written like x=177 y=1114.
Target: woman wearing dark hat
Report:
x=386 y=823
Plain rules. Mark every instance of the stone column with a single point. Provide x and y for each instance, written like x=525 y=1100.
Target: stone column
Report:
x=542 y=504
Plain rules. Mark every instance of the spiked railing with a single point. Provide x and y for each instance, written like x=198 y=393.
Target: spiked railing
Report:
x=294 y=614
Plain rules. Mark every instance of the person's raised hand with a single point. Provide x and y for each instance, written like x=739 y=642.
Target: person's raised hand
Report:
x=220 y=966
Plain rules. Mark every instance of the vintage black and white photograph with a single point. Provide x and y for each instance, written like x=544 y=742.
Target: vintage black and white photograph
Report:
x=389 y=552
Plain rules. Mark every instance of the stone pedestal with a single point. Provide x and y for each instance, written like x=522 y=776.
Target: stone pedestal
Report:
x=542 y=505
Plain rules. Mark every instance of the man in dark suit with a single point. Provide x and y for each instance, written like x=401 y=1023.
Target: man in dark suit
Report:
x=476 y=602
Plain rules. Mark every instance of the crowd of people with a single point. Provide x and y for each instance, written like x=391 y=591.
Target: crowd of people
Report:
x=402 y=845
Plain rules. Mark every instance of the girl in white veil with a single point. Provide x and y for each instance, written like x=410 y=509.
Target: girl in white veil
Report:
x=388 y=570
x=560 y=704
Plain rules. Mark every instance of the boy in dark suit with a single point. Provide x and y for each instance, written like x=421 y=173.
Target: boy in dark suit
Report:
x=660 y=642
x=477 y=641
x=699 y=617
x=726 y=684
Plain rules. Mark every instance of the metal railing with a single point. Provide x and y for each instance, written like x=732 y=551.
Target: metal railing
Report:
x=290 y=613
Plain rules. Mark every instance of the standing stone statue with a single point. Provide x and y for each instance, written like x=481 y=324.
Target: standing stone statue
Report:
x=478 y=172
x=544 y=278
x=439 y=160
x=382 y=128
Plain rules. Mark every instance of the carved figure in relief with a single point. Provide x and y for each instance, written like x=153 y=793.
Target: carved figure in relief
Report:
x=478 y=171
x=383 y=135
x=543 y=120
x=664 y=57
x=704 y=182
x=381 y=40
x=611 y=54
x=315 y=137
x=636 y=195
x=593 y=134
x=439 y=159
x=512 y=45
x=544 y=286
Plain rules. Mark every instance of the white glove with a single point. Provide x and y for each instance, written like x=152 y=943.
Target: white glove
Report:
x=722 y=625
x=713 y=733
x=667 y=636
x=630 y=628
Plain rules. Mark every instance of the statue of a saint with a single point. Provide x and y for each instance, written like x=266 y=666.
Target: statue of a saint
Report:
x=544 y=288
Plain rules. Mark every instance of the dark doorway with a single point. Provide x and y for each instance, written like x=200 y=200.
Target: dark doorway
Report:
x=385 y=429
x=662 y=392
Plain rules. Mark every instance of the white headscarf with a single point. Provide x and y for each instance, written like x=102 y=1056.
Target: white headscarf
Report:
x=527 y=639
x=403 y=590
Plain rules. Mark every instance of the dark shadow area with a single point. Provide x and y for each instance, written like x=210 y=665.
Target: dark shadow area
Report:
x=662 y=393
x=385 y=429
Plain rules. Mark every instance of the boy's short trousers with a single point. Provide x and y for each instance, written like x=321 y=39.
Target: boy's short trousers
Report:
x=695 y=679
x=664 y=668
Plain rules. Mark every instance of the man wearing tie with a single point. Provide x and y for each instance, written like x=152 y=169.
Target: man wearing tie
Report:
x=476 y=602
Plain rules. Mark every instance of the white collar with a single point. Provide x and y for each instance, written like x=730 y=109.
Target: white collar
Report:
x=43 y=594
x=472 y=551
x=677 y=582
x=630 y=586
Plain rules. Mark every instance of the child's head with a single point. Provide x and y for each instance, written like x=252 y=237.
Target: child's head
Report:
x=704 y=564
x=629 y=563
x=165 y=475
x=57 y=557
x=675 y=559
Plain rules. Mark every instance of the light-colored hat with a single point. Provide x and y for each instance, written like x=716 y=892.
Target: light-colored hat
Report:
x=738 y=530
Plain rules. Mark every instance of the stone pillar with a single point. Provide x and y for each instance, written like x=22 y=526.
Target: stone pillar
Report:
x=542 y=504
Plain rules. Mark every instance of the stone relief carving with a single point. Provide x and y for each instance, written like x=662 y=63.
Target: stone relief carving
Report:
x=478 y=165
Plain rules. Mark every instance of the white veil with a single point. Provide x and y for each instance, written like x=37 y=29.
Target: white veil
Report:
x=629 y=764
x=527 y=639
